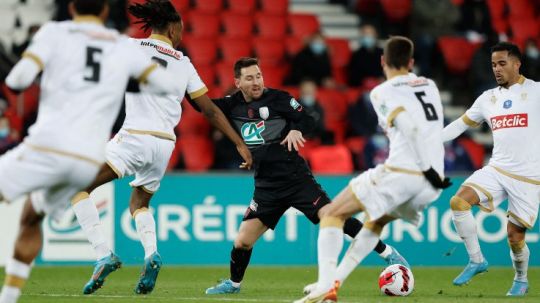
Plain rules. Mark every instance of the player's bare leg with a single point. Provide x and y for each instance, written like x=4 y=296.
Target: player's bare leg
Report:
x=250 y=231
x=146 y=228
x=27 y=247
x=465 y=224
x=88 y=217
x=519 y=252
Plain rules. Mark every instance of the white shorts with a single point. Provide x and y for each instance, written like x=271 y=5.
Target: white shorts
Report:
x=400 y=195
x=493 y=188
x=51 y=179
x=144 y=156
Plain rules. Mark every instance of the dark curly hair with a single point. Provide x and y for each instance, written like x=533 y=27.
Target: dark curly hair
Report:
x=155 y=14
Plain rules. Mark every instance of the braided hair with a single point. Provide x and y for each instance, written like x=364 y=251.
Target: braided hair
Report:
x=155 y=14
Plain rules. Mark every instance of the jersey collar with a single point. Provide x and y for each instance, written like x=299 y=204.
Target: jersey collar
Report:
x=161 y=38
x=87 y=19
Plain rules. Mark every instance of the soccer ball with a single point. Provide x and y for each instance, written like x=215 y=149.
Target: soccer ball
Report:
x=396 y=280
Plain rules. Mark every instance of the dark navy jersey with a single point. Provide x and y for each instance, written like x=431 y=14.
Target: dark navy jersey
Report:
x=263 y=124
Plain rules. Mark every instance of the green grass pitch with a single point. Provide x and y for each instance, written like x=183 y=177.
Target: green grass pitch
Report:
x=268 y=284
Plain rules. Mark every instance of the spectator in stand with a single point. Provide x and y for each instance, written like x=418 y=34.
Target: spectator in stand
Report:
x=431 y=19
x=313 y=62
x=531 y=60
x=308 y=98
x=366 y=60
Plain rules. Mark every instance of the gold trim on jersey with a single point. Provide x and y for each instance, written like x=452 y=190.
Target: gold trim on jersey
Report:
x=393 y=115
x=521 y=79
x=144 y=75
x=34 y=58
x=485 y=192
x=523 y=222
x=470 y=122
x=62 y=153
x=115 y=170
x=14 y=281
x=517 y=177
x=161 y=135
x=88 y=18
x=161 y=38
x=196 y=94
x=403 y=170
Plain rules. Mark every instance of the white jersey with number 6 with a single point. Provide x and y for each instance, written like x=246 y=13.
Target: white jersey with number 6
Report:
x=420 y=97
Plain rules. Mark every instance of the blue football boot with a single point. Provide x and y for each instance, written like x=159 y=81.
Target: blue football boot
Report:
x=223 y=287
x=149 y=274
x=396 y=258
x=103 y=268
x=471 y=270
x=518 y=289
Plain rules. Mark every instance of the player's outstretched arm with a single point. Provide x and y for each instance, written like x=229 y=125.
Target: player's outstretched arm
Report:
x=406 y=125
x=218 y=119
x=454 y=129
x=22 y=74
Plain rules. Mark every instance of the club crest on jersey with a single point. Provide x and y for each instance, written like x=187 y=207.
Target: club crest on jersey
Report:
x=264 y=112
x=295 y=105
x=507 y=104
x=252 y=132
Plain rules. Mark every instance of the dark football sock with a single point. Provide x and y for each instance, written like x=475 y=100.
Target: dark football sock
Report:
x=353 y=226
x=239 y=262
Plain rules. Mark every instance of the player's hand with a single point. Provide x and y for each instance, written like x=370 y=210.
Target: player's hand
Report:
x=244 y=152
x=435 y=180
x=294 y=139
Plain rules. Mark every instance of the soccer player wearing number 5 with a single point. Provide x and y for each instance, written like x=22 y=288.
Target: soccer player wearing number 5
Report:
x=512 y=110
x=409 y=109
x=144 y=144
x=86 y=68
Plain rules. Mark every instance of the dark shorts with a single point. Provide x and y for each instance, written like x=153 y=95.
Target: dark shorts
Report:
x=269 y=204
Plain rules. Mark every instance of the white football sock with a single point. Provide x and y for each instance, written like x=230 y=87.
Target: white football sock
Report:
x=16 y=275
x=88 y=217
x=146 y=228
x=364 y=242
x=520 y=260
x=329 y=245
x=466 y=228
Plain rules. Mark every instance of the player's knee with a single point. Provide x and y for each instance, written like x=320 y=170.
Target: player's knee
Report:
x=459 y=204
x=332 y=221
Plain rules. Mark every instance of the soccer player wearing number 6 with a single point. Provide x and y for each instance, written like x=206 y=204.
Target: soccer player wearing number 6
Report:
x=409 y=180
x=144 y=144
x=512 y=110
x=86 y=68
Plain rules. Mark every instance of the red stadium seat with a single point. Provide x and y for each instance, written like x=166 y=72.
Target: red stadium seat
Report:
x=198 y=153
x=524 y=29
x=331 y=159
x=271 y=51
x=204 y=24
x=457 y=53
x=270 y=26
x=340 y=52
x=209 y=6
x=303 y=25
x=237 y=25
x=396 y=10
x=242 y=6
x=275 y=7
x=180 y=5
x=233 y=49
x=200 y=50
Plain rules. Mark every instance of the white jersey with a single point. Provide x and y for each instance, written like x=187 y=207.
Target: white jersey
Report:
x=158 y=115
x=86 y=68
x=513 y=114
x=420 y=98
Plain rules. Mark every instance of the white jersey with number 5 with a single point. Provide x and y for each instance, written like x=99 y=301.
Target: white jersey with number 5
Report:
x=158 y=115
x=86 y=68
x=420 y=97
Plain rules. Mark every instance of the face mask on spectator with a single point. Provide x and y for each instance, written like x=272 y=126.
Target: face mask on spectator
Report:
x=4 y=132
x=532 y=52
x=308 y=100
x=317 y=47
x=368 y=41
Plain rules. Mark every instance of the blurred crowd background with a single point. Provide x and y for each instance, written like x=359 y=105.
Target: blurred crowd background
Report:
x=326 y=53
